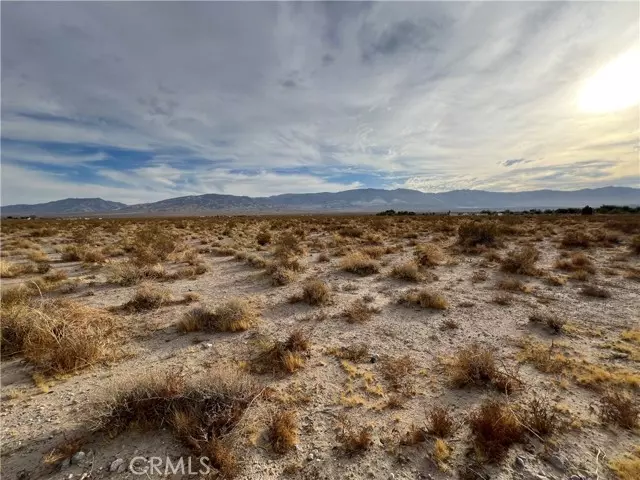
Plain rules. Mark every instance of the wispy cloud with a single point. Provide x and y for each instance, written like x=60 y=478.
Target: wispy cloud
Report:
x=428 y=95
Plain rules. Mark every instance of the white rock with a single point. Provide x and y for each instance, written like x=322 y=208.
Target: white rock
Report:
x=117 y=465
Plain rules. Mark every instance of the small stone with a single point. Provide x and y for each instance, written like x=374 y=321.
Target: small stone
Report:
x=519 y=462
x=310 y=457
x=207 y=345
x=392 y=476
x=577 y=477
x=374 y=358
x=558 y=462
x=66 y=463
x=117 y=465
x=78 y=457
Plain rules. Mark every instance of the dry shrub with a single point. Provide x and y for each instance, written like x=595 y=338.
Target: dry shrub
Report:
x=359 y=264
x=284 y=356
x=577 y=262
x=634 y=245
x=502 y=298
x=355 y=440
x=429 y=255
x=263 y=237
x=359 y=312
x=152 y=244
x=575 y=239
x=288 y=245
x=552 y=321
x=315 y=292
x=71 y=253
x=203 y=412
x=620 y=408
x=283 y=431
x=323 y=257
x=147 y=297
x=355 y=353
x=594 y=291
x=440 y=422
x=472 y=234
x=425 y=298
x=406 y=271
x=522 y=261
x=351 y=231
x=373 y=252
x=495 y=428
x=281 y=275
x=476 y=365
x=397 y=372
x=541 y=418
x=59 y=336
x=236 y=315
x=512 y=284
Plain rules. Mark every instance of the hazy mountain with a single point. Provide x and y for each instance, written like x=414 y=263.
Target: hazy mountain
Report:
x=361 y=200
x=64 y=207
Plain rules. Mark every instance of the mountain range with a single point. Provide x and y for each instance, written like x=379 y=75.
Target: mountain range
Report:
x=359 y=200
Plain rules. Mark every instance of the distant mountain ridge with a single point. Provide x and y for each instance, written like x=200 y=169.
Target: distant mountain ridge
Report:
x=359 y=200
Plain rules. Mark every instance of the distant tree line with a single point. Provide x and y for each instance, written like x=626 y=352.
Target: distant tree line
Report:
x=586 y=210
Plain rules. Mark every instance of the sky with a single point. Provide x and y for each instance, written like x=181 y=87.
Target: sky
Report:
x=143 y=101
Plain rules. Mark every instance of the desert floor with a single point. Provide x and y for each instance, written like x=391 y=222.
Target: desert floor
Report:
x=331 y=346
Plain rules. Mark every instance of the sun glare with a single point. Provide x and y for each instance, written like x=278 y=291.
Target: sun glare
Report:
x=614 y=87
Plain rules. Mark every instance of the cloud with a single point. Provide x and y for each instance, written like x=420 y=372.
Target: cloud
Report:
x=515 y=161
x=440 y=92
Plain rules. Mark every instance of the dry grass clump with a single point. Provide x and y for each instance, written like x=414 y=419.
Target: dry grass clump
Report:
x=58 y=336
x=38 y=256
x=429 y=255
x=205 y=413
x=575 y=239
x=440 y=422
x=284 y=356
x=373 y=252
x=425 y=298
x=397 y=372
x=620 y=408
x=552 y=321
x=12 y=270
x=359 y=312
x=236 y=315
x=522 y=262
x=595 y=291
x=314 y=292
x=406 y=271
x=495 y=428
x=545 y=359
x=473 y=234
x=359 y=264
x=354 y=353
x=627 y=467
x=147 y=297
x=476 y=365
x=283 y=431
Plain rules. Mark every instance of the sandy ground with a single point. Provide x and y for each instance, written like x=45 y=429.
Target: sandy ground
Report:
x=35 y=418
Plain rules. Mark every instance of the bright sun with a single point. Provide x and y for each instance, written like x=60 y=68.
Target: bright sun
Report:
x=614 y=87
